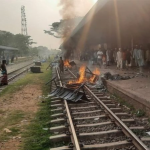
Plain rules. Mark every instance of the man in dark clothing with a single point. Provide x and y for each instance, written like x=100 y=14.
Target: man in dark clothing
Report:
x=128 y=58
x=61 y=65
x=4 y=80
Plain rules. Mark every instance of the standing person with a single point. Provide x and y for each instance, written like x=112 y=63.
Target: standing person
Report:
x=12 y=58
x=148 y=58
x=99 y=57
x=119 y=59
x=95 y=57
x=123 y=59
x=128 y=58
x=140 y=59
x=108 y=57
x=4 y=80
x=115 y=55
x=104 y=62
x=61 y=65
x=135 y=55
x=7 y=60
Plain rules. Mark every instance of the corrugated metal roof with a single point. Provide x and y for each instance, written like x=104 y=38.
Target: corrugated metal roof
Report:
x=7 y=48
x=92 y=12
x=115 y=22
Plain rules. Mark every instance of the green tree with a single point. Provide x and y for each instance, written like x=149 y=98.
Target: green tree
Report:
x=6 y=38
x=22 y=43
x=19 y=41
x=59 y=29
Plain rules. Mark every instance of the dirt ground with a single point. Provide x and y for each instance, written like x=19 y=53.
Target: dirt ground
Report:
x=26 y=101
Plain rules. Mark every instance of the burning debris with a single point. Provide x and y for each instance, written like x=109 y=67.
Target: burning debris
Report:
x=95 y=76
x=82 y=76
x=67 y=64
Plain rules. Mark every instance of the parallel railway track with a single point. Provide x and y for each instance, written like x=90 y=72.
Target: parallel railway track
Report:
x=16 y=73
x=95 y=125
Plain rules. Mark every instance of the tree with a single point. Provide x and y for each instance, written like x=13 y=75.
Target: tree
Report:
x=6 y=38
x=19 y=41
x=60 y=29
x=22 y=43
x=33 y=51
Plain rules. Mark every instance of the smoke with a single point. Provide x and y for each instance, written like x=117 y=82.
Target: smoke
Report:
x=73 y=8
x=70 y=10
x=67 y=11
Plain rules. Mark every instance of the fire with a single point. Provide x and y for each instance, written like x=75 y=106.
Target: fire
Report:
x=82 y=77
x=96 y=73
x=82 y=74
x=66 y=64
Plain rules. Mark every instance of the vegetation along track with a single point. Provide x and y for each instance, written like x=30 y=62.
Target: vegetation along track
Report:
x=16 y=73
x=98 y=124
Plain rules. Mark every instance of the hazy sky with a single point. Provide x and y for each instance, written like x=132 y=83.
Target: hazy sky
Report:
x=40 y=14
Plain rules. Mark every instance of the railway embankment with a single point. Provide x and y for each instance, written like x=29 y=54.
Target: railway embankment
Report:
x=24 y=113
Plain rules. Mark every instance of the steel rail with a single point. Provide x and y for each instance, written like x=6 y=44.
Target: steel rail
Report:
x=74 y=135
x=135 y=140
x=18 y=69
x=13 y=77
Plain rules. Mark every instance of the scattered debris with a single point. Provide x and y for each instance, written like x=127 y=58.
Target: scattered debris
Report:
x=7 y=130
x=24 y=121
x=17 y=137
x=99 y=85
x=148 y=133
x=109 y=76
x=45 y=129
x=96 y=119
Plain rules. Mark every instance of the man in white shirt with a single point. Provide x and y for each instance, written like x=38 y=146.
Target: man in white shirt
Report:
x=119 y=59
x=99 y=57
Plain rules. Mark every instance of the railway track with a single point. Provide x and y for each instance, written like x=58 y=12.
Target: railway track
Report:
x=12 y=75
x=16 y=73
x=99 y=124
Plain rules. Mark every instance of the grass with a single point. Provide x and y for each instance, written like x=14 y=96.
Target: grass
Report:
x=30 y=78
x=2 y=111
x=122 y=102
x=138 y=113
x=35 y=137
x=8 y=122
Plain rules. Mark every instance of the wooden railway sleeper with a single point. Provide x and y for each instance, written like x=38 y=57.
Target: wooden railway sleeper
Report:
x=138 y=144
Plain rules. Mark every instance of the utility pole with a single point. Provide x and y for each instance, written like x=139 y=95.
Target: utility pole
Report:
x=23 y=21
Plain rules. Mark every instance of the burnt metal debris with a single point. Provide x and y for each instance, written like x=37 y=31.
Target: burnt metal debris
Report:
x=72 y=63
x=109 y=76
x=68 y=93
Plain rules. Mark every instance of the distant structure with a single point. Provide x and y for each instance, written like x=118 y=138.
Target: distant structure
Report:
x=23 y=21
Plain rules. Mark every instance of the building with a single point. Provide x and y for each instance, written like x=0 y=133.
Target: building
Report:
x=113 y=23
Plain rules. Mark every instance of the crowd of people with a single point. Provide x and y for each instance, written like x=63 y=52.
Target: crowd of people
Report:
x=122 y=58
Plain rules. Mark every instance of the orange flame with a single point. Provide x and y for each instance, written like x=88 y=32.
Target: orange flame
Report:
x=82 y=76
x=96 y=72
x=66 y=63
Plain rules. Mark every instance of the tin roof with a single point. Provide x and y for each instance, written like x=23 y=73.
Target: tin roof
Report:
x=113 y=20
